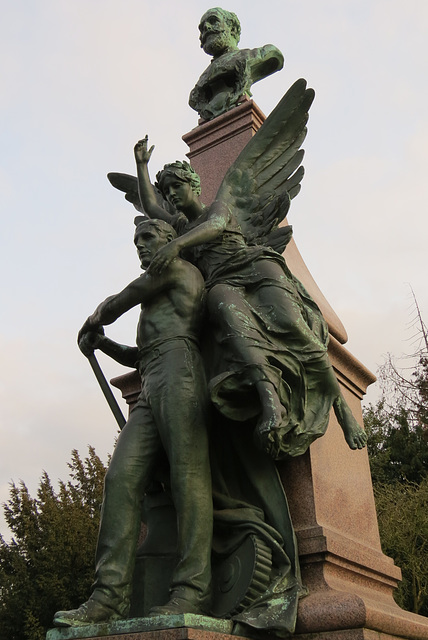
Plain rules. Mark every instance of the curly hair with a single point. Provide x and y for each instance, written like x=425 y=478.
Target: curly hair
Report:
x=182 y=171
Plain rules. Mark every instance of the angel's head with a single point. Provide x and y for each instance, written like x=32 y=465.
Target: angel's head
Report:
x=180 y=185
x=219 y=30
x=149 y=236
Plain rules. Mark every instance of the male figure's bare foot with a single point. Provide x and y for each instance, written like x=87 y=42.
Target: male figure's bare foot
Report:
x=267 y=434
x=354 y=435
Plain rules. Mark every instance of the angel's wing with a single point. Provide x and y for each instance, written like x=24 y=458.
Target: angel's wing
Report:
x=266 y=175
x=129 y=185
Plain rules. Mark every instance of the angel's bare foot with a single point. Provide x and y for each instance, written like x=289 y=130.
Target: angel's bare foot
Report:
x=267 y=434
x=354 y=434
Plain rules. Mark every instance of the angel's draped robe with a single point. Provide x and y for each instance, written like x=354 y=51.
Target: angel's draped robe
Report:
x=248 y=341
x=245 y=343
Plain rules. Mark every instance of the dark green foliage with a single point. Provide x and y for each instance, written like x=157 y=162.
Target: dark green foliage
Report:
x=398 y=449
x=397 y=426
x=403 y=523
x=49 y=562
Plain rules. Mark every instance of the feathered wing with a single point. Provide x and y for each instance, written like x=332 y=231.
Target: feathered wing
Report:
x=129 y=185
x=266 y=175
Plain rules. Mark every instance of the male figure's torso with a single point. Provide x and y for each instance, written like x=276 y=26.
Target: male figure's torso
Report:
x=175 y=310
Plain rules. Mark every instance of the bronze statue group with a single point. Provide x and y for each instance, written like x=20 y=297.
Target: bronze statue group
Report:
x=232 y=353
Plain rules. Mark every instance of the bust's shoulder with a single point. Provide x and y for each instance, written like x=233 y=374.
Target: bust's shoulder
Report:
x=229 y=60
x=267 y=52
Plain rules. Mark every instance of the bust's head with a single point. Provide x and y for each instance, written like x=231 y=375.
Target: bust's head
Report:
x=219 y=31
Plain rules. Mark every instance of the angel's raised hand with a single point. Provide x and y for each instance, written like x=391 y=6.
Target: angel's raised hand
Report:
x=142 y=154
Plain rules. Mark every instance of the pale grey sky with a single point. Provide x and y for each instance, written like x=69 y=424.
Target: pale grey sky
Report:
x=83 y=80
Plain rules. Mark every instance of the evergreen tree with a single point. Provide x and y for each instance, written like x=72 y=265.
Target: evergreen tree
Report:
x=402 y=509
x=397 y=427
x=48 y=564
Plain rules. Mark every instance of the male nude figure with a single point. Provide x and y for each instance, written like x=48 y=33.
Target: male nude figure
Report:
x=169 y=417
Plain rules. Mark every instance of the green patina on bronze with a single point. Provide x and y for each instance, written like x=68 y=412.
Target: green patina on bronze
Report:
x=141 y=625
x=232 y=71
x=235 y=374
x=168 y=422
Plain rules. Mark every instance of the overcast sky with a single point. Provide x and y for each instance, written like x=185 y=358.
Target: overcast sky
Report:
x=83 y=80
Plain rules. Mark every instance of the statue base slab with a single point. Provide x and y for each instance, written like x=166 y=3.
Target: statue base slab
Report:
x=187 y=626
x=330 y=609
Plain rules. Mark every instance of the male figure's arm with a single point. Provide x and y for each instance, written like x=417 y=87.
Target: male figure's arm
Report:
x=123 y=354
x=140 y=291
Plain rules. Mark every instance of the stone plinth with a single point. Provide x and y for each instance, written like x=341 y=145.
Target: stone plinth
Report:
x=217 y=144
x=329 y=488
x=130 y=386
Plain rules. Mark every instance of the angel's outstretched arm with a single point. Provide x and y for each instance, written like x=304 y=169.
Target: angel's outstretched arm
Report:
x=145 y=187
x=207 y=231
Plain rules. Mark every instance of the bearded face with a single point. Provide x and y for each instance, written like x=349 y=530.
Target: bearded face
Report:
x=215 y=34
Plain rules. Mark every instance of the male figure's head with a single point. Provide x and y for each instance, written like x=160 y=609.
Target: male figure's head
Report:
x=219 y=31
x=151 y=235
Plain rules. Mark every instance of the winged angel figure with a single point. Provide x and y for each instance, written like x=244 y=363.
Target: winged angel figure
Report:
x=267 y=335
x=265 y=343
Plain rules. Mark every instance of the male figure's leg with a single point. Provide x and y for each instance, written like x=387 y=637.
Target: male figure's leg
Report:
x=129 y=473
x=127 y=478
x=178 y=397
